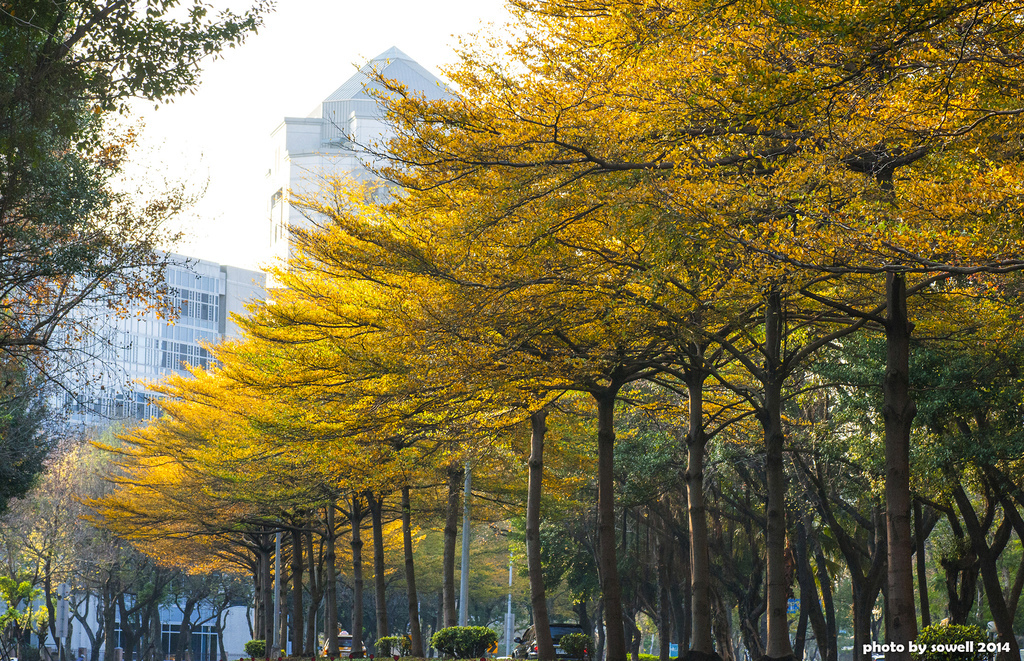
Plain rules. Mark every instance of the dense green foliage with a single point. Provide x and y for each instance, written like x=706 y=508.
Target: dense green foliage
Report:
x=950 y=634
x=76 y=250
x=391 y=645
x=24 y=440
x=463 y=642
x=576 y=645
x=256 y=648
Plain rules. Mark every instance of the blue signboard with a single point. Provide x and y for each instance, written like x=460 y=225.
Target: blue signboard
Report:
x=793 y=606
x=673 y=650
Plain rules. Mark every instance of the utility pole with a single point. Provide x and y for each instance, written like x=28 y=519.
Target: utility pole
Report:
x=509 y=622
x=464 y=587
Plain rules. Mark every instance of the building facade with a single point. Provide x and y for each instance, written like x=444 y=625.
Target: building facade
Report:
x=119 y=355
x=337 y=139
x=124 y=353
x=217 y=633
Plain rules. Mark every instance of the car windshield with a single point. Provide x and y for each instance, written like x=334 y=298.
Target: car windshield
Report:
x=561 y=631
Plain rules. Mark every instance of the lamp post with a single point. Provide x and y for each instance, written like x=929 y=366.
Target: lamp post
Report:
x=509 y=622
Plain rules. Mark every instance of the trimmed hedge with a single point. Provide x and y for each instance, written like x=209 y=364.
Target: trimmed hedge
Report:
x=464 y=642
x=257 y=649
x=947 y=635
x=392 y=645
x=576 y=645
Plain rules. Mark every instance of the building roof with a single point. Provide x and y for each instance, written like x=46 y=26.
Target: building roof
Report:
x=392 y=64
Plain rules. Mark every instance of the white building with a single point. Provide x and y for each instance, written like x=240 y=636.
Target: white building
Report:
x=210 y=637
x=126 y=352
x=332 y=139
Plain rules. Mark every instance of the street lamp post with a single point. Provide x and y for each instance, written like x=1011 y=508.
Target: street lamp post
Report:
x=509 y=623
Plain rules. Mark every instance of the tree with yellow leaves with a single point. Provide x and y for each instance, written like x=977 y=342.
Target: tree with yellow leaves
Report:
x=787 y=132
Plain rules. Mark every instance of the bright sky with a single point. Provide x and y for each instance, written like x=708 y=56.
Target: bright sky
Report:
x=220 y=137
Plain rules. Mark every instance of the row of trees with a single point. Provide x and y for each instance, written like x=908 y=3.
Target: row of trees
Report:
x=46 y=540
x=737 y=218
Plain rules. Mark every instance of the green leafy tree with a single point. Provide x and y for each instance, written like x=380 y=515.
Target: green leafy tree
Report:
x=73 y=249
x=24 y=442
x=65 y=236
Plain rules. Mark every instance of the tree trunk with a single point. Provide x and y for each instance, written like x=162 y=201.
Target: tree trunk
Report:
x=702 y=645
x=331 y=620
x=281 y=604
x=867 y=586
x=751 y=602
x=267 y=592
x=863 y=604
x=679 y=620
x=777 y=644
x=379 y=586
x=357 y=579
x=800 y=639
x=439 y=623
x=988 y=555
x=809 y=602
x=108 y=640
x=682 y=605
x=220 y=621
x=723 y=627
x=456 y=472
x=898 y=411
x=129 y=633
x=297 y=571
x=664 y=609
x=583 y=615
x=961 y=585
x=315 y=595
x=185 y=628
x=634 y=639
x=542 y=630
x=410 y=577
x=608 y=570
x=51 y=607
x=922 y=568
x=828 y=647
x=1001 y=614
x=151 y=618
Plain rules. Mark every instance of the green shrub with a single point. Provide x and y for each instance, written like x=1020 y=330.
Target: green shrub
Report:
x=392 y=645
x=464 y=642
x=576 y=645
x=257 y=649
x=947 y=635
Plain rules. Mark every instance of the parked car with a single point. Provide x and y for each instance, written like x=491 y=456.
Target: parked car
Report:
x=526 y=647
x=344 y=646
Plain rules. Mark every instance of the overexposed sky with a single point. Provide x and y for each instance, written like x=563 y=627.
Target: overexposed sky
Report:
x=220 y=136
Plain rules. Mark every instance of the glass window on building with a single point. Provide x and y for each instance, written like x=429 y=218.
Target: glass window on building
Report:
x=204 y=642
